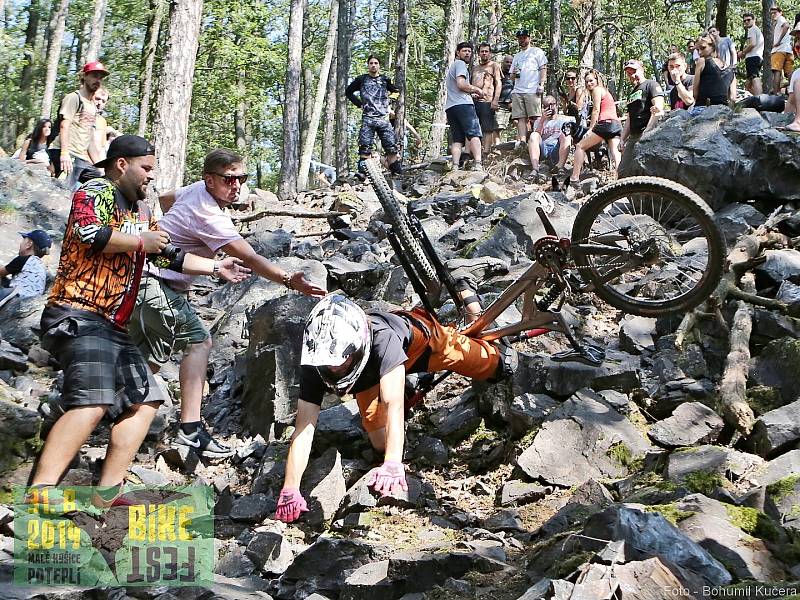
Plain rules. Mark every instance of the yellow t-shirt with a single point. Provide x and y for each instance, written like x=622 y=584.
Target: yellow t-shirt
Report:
x=81 y=112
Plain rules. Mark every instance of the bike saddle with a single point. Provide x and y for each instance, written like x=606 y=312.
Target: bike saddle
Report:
x=588 y=355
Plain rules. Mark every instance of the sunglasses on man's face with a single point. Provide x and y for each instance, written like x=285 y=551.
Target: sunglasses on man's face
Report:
x=230 y=179
x=570 y=78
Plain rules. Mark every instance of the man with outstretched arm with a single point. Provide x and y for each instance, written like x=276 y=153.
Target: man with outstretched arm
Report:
x=197 y=221
x=346 y=350
x=109 y=235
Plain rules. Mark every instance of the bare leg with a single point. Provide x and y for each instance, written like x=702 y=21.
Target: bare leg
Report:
x=755 y=86
x=564 y=143
x=390 y=158
x=522 y=129
x=63 y=442
x=588 y=142
x=455 y=153
x=127 y=436
x=613 y=150
x=378 y=439
x=777 y=78
x=534 y=151
x=475 y=148
x=193 y=378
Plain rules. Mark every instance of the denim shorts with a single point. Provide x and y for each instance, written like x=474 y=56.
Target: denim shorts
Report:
x=463 y=121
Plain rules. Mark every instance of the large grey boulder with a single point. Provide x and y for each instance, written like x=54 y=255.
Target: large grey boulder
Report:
x=323 y=487
x=269 y=370
x=270 y=552
x=583 y=439
x=361 y=498
x=737 y=219
x=777 y=430
x=19 y=321
x=704 y=467
x=777 y=366
x=779 y=266
x=691 y=423
x=715 y=526
x=19 y=431
x=724 y=156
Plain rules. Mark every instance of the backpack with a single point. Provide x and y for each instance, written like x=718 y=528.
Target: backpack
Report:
x=59 y=117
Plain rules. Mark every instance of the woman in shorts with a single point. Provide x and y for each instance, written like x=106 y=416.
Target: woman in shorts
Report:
x=604 y=125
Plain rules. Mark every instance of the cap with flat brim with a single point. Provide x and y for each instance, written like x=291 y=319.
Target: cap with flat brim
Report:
x=523 y=33
x=633 y=64
x=95 y=66
x=126 y=146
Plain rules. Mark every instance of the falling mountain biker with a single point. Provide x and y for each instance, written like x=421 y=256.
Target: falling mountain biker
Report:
x=370 y=92
x=348 y=351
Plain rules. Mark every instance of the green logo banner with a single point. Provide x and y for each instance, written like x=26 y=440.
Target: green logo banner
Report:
x=92 y=536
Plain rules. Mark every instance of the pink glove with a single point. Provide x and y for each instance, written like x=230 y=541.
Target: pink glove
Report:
x=290 y=505
x=389 y=478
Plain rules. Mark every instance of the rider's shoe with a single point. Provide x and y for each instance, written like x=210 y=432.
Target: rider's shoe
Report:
x=362 y=166
x=202 y=443
x=396 y=168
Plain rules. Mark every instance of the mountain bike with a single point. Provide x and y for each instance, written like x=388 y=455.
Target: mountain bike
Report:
x=647 y=246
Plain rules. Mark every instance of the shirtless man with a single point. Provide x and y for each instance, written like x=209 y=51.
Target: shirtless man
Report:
x=487 y=75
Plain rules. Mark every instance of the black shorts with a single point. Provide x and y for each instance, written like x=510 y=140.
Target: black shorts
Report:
x=463 y=121
x=101 y=366
x=753 y=66
x=486 y=117
x=608 y=129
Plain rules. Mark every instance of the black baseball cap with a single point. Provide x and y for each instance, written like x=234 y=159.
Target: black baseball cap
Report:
x=523 y=33
x=39 y=238
x=126 y=146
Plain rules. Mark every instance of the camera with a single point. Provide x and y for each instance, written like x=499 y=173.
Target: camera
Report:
x=164 y=258
x=576 y=130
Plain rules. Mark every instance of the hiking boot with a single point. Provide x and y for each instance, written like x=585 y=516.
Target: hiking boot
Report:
x=396 y=168
x=477 y=166
x=202 y=443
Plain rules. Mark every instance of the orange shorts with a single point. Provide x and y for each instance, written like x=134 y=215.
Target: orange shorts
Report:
x=782 y=61
x=449 y=350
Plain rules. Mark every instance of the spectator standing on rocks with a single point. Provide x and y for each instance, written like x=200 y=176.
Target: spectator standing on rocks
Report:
x=752 y=52
x=726 y=52
x=548 y=142
x=691 y=56
x=713 y=84
x=604 y=125
x=529 y=70
x=781 y=58
x=645 y=104
x=465 y=129
x=108 y=237
x=34 y=148
x=101 y=125
x=196 y=221
x=680 y=96
x=373 y=91
x=487 y=76
x=72 y=151
x=792 y=105
x=507 y=86
x=27 y=271
x=348 y=351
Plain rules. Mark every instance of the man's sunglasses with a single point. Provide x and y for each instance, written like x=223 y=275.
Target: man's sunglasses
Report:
x=229 y=179
x=570 y=78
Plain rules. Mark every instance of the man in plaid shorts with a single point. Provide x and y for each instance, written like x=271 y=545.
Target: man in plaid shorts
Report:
x=108 y=236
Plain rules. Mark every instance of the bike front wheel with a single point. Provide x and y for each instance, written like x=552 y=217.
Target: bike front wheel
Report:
x=648 y=246
x=394 y=215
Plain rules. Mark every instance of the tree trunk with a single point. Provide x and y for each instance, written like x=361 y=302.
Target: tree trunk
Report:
x=171 y=124
x=240 y=115
x=98 y=23
x=585 y=34
x=58 y=22
x=82 y=32
x=709 y=15
x=287 y=187
x=474 y=25
x=453 y=17
x=722 y=18
x=146 y=64
x=599 y=50
x=344 y=35
x=329 y=128
x=26 y=77
x=401 y=62
x=494 y=25
x=766 y=71
x=306 y=102
x=554 y=67
x=319 y=98
x=389 y=31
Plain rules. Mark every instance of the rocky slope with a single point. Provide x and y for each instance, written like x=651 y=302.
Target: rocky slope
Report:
x=568 y=481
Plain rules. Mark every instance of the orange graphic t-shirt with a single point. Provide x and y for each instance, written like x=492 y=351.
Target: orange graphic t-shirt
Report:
x=87 y=278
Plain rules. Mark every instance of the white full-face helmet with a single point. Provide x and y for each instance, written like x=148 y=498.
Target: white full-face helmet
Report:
x=336 y=330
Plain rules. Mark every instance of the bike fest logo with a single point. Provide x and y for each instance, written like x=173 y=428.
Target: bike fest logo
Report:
x=146 y=536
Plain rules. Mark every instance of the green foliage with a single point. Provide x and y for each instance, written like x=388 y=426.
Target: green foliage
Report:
x=752 y=521
x=764 y=398
x=783 y=487
x=704 y=482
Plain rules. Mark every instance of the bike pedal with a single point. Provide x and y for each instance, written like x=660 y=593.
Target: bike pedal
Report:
x=587 y=355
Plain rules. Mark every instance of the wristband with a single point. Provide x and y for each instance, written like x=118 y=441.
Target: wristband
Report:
x=215 y=270
x=140 y=246
x=287 y=280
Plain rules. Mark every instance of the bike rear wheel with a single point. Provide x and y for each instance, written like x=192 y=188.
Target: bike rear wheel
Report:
x=395 y=216
x=649 y=246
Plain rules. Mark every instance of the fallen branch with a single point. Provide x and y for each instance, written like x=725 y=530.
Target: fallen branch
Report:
x=770 y=303
x=300 y=214
x=733 y=404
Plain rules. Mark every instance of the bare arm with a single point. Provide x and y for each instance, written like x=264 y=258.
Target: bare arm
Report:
x=300 y=449
x=699 y=65
x=498 y=86
x=166 y=200
x=3 y=271
x=655 y=112
x=597 y=98
x=392 y=388
x=464 y=86
x=543 y=77
x=261 y=266
x=66 y=159
x=24 y=150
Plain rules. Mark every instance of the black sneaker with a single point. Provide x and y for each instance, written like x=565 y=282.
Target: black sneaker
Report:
x=202 y=443
x=396 y=168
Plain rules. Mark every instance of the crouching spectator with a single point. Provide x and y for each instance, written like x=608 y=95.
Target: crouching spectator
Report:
x=26 y=275
x=548 y=142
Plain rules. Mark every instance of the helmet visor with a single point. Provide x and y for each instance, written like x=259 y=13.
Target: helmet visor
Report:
x=341 y=379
